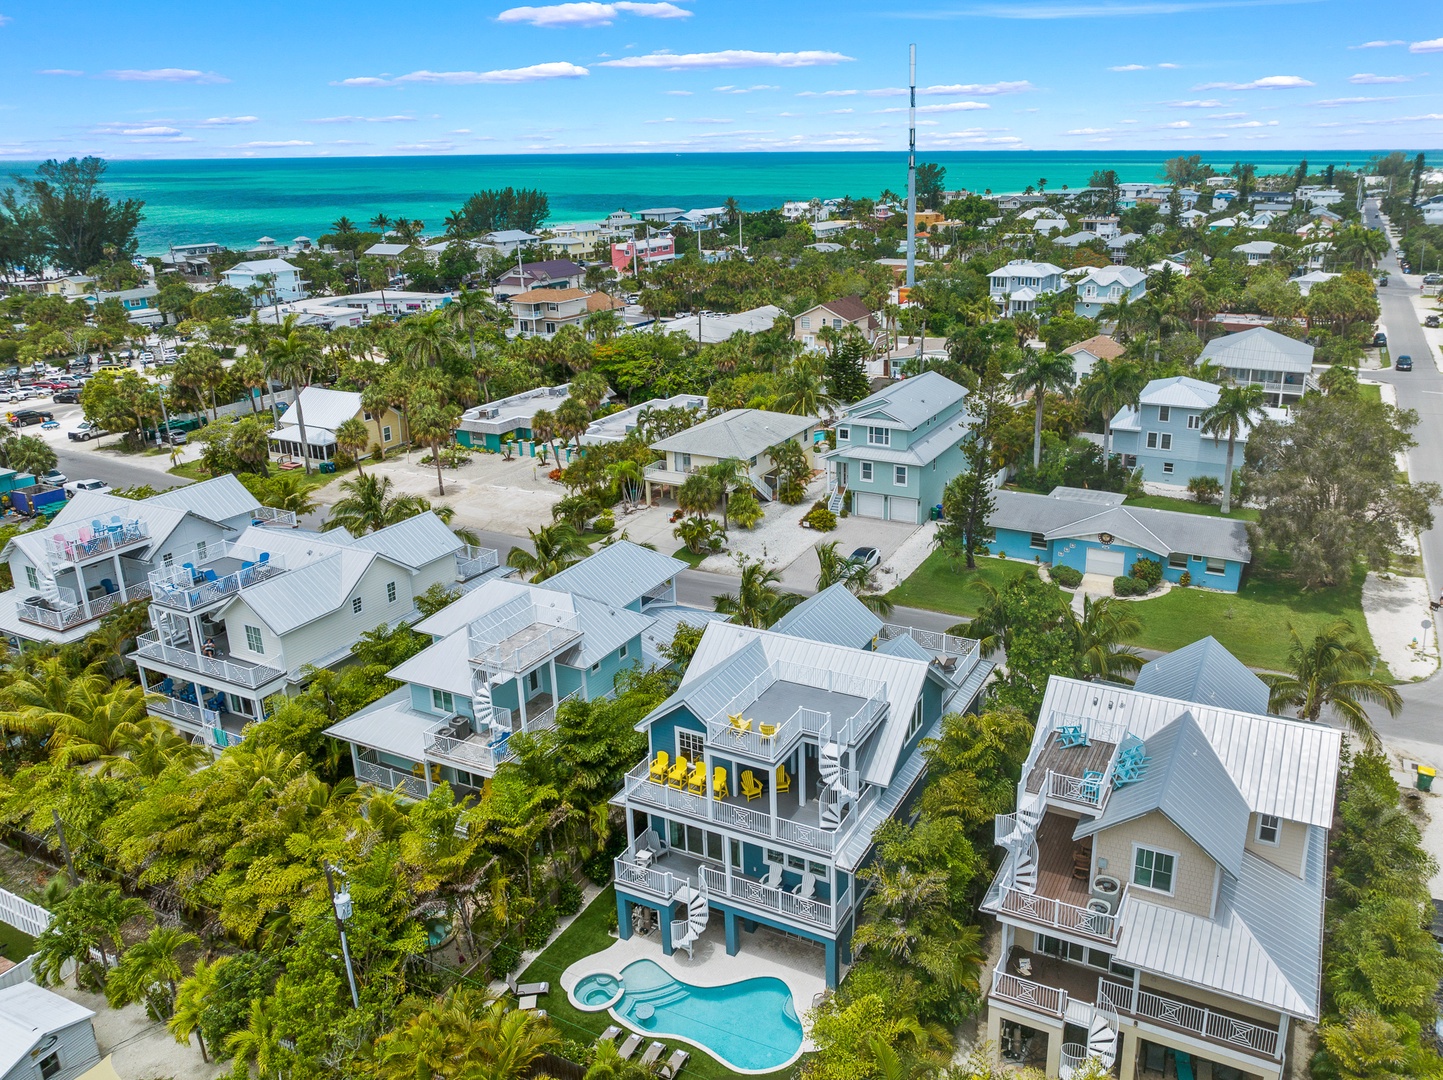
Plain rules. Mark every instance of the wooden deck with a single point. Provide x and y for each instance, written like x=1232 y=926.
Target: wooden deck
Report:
x=1069 y=761
x=1055 y=848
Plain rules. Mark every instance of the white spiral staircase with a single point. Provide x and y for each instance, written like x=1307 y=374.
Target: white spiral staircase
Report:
x=684 y=932
x=1021 y=840
x=836 y=796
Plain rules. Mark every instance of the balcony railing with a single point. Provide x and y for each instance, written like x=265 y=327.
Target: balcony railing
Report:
x=177 y=587
x=62 y=615
x=474 y=561
x=269 y=515
x=1006 y=899
x=390 y=779
x=250 y=676
x=218 y=738
x=1194 y=1019
x=489 y=640
x=1029 y=994
x=87 y=541
x=195 y=715
x=817 y=912
x=938 y=644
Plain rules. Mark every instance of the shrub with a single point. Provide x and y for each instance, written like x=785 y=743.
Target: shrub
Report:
x=743 y=508
x=1148 y=570
x=820 y=518
x=1130 y=586
x=378 y=452
x=504 y=958
x=539 y=926
x=1205 y=489
x=568 y=900
x=792 y=492
x=605 y=522
x=1069 y=577
x=1186 y=579
x=598 y=868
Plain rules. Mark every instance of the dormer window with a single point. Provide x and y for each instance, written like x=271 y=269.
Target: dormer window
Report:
x=879 y=436
x=1153 y=869
x=1269 y=826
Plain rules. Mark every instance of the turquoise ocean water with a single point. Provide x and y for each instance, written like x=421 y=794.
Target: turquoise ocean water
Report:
x=237 y=201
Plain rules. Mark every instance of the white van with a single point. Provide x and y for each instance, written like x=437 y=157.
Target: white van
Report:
x=77 y=486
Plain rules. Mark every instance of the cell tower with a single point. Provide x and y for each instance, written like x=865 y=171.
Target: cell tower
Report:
x=912 y=171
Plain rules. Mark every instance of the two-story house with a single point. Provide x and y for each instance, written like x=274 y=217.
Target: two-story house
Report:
x=1161 y=893
x=629 y=254
x=1281 y=365
x=274 y=280
x=510 y=241
x=897 y=449
x=576 y=239
x=1103 y=285
x=235 y=624
x=1257 y=252
x=1163 y=434
x=100 y=550
x=839 y=315
x=742 y=435
x=546 y=274
x=543 y=311
x=772 y=765
x=504 y=657
x=1017 y=285
x=139 y=303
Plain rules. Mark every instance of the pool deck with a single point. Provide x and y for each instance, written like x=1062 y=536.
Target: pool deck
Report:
x=763 y=954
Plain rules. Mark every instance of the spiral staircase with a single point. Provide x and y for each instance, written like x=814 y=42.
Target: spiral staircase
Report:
x=684 y=932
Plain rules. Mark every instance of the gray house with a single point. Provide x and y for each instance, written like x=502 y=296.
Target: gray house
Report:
x=1281 y=365
x=44 y=1036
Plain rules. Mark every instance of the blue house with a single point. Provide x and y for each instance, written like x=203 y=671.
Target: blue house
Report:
x=504 y=657
x=1103 y=285
x=1164 y=434
x=773 y=764
x=1092 y=531
x=897 y=449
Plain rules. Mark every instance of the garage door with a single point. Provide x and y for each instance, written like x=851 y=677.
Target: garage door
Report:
x=867 y=505
x=902 y=509
x=1104 y=562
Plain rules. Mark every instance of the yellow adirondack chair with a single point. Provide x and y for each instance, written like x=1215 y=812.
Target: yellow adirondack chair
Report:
x=677 y=777
x=696 y=783
x=660 y=766
x=719 y=787
x=767 y=731
x=751 y=786
x=740 y=726
x=784 y=782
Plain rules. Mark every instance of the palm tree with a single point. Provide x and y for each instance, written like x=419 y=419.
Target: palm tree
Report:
x=470 y=310
x=557 y=547
x=45 y=694
x=149 y=966
x=104 y=723
x=343 y=226
x=433 y=424
x=804 y=388
x=1105 y=624
x=292 y=357
x=629 y=478
x=758 y=602
x=88 y=920
x=1039 y=373
x=698 y=494
x=833 y=568
x=257 y=1044
x=368 y=505
x=511 y=1041
x=1112 y=384
x=1237 y=409
x=1334 y=670
x=192 y=999
x=426 y=340
x=381 y=223
x=724 y=475
x=352 y=438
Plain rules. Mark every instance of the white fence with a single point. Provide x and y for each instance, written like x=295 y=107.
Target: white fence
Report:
x=20 y=913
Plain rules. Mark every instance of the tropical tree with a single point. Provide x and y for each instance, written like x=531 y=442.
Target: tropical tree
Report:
x=291 y=357
x=1333 y=671
x=103 y=724
x=433 y=424
x=758 y=601
x=192 y=999
x=426 y=340
x=471 y=310
x=149 y=971
x=834 y=568
x=1104 y=625
x=803 y=388
x=1237 y=409
x=368 y=505
x=628 y=477
x=556 y=547
x=86 y=930
x=257 y=1045
x=698 y=494
x=352 y=438
x=1041 y=372
x=1112 y=385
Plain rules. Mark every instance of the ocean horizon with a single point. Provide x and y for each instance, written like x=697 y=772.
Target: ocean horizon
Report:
x=236 y=201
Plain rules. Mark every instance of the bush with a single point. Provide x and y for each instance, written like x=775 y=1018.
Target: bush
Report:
x=1148 y=570
x=820 y=518
x=568 y=900
x=605 y=522
x=743 y=508
x=1130 y=586
x=539 y=926
x=1205 y=489
x=599 y=867
x=504 y=958
x=1069 y=577
x=792 y=492
x=1186 y=579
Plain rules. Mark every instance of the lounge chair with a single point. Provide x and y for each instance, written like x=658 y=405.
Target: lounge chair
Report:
x=527 y=1003
x=767 y=731
x=526 y=989
x=652 y=1055
x=673 y=1065
x=660 y=766
x=773 y=880
x=751 y=786
x=609 y=1035
x=740 y=726
x=719 y=787
x=806 y=888
x=629 y=1047
x=1072 y=735
x=679 y=772
x=784 y=782
x=1092 y=785
x=696 y=782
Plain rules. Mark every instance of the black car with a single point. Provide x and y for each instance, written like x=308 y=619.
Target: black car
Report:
x=28 y=417
x=67 y=397
x=1404 y=363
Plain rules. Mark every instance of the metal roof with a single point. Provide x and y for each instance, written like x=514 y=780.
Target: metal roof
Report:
x=471 y=605
x=910 y=402
x=1184 y=780
x=86 y=506
x=219 y=498
x=620 y=573
x=27 y=1014
x=1127 y=276
x=1261 y=349
x=1207 y=673
x=665 y=621
x=389 y=725
x=322 y=409
x=1181 y=392
x=921 y=452
x=604 y=629
x=737 y=433
x=415 y=542
x=833 y=616
x=444 y=665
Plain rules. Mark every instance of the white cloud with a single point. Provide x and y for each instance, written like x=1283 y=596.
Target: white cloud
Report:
x=228 y=121
x=1435 y=45
x=1089 y=131
x=1334 y=103
x=977 y=89
x=559 y=69
x=61 y=71
x=363 y=80
x=163 y=139
x=1226 y=115
x=273 y=144
x=431 y=147
x=175 y=75
x=744 y=89
x=1377 y=44
x=1367 y=78
x=588 y=14
x=1106 y=9
x=1267 y=82
x=152 y=130
x=5 y=20
x=846 y=140
x=838 y=112
x=1204 y=103
x=827 y=93
x=951 y=106
x=729 y=58
x=1168 y=67
x=399 y=119
x=1175 y=124
x=1255 y=124
x=678 y=93
x=1128 y=67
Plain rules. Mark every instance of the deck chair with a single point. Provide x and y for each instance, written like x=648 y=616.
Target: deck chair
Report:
x=629 y=1047
x=526 y=989
x=679 y=772
x=265 y=557
x=773 y=880
x=652 y=1055
x=784 y=781
x=767 y=731
x=719 y=787
x=609 y=1035
x=1072 y=735
x=806 y=888
x=739 y=726
x=751 y=786
x=660 y=766
x=673 y=1065
x=1092 y=784
x=696 y=782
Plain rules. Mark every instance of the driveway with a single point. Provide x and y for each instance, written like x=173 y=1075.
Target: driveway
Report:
x=850 y=534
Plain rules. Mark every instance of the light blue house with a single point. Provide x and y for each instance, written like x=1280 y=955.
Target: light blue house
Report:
x=772 y=766
x=1092 y=531
x=1103 y=285
x=897 y=449
x=1018 y=284
x=504 y=657
x=1164 y=434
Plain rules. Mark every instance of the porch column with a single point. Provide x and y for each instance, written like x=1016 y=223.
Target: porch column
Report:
x=994 y=1030
x=707 y=798
x=80 y=588
x=119 y=576
x=1127 y=1054
x=355 y=761
x=664 y=918
x=555 y=689
x=630 y=829
x=1054 y=1050
x=734 y=943
x=521 y=699
x=801 y=774
x=623 y=917
x=833 y=967
x=772 y=798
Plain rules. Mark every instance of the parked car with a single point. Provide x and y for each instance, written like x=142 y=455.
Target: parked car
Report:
x=174 y=436
x=54 y=478
x=66 y=397
x=75 y=487
x=1404 y=363
x=869 y=557
x=86 y=431
x=1431 y=322
x=27 y=417
x=1433 y=279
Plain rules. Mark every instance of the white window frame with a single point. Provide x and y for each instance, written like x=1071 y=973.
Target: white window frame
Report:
x=805 y=321
x=899 y=476
x=1167 y=467
x=1194 y=422
x=443 y=700
x=690 y=744
x=1164 y=414
x=844 y=434
x=386 y=433
x=1037 y=541
x=255 y=640
x=1152 y=440
x=1270 y=823
x=915 y=724
x=1174 y=557
x=32 y=578
x=621 y=653
x=1172 y=873
x=1216 y=566
x=1166 y=440
x=879 y=436
x=866 y=471
x=390 y=592
x=356 y=605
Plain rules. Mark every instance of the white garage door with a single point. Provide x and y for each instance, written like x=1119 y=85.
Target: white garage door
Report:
x=867 y=505
x=1104 y=562
x=902 y=509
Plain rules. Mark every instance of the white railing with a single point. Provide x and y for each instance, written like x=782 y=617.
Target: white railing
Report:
x=808 y=836
x=20 y=973
x=473 y=561
x=1092 y=727
x=250 y=676
x=803 y=721
x=84 y=542
x=935 y=642
x=269 y=515
x=744 y=818
x=470 y=754
x=1073 y=1057
x=642 y=788
x=74 y=615
x=390 y=779
x=176 y=587
x=1195 y=1019
x=545 y=720
x=218 y=738
x=1008 y=900
x=28 y=918
x=1078 y=790
x=1029 y=994
x=184 y=711
x=489 y=648
x=814 y=911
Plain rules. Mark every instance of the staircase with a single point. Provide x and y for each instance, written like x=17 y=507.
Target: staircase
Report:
x=838 y=498
x=836 y=796
x=684 y=932
x=1021 y=839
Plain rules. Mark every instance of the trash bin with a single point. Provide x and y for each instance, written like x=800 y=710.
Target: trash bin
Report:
x=1425 y=778
x=328 y=466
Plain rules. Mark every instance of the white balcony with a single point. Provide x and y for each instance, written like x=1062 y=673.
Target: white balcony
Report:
x=474 y=561
x=517 y=637
x=85 y=542
x=380 y=776
x=219 y=667
x=222 y=571
x=63 y=612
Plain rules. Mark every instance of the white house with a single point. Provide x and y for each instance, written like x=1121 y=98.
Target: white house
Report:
x=44 y=1036
x=287 y=283
x=1306 y=281
x=576 y=239
x=1017 y=285
x=1257 y=252
x=507 y=241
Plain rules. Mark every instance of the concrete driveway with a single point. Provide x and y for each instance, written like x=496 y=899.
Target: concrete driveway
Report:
x=850 y=533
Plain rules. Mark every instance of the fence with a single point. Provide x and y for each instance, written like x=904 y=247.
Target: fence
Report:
x=20 y=913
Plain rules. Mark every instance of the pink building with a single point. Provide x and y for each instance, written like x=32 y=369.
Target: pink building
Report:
x=657 y=249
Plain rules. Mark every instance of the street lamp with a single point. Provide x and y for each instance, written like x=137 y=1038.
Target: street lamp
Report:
x=341 y=903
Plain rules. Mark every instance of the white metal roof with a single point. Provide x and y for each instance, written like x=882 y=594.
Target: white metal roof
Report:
x=619 y=573
x=833 y=615
x=737 y=433
x=322 y=409
x=219 y=498
x=909 y=402
x=390 y=725
x=1260 y=348
x=27 y=1014
x=418 y=541
x=445 y=665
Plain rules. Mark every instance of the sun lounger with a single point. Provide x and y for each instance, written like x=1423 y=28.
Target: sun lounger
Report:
x=527 y=1003
x=527 y=989
x=652 y=1055
x=629 y=1047
x=609 y=1035
x=673 y=1065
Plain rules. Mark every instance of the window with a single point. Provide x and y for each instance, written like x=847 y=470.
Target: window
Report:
x=1166 y=441
x=254 y=642
x=1194 y=422
x=836 y=324
x=50 y=1065
x=844 y=434
x=1164 y=414
x=683 y=462
x=367 y=414
x=1177 y=560
x=695 y=840
x=32 y=577
x=200 y=551
x=1167 y=467
x=1152 y=440
x=386 y=433
x=867 y=471
x=1269 y=825
x=879 y=436
x=390 y=592
x=689 y=744
x=899 y=475
x=1129 y=460
x=915 y=724
x=1217 y=566
x=806 y=322
x=443 y=701
x=621 y=653
x=167 y=559
x=1153 y=869
x=356 y=606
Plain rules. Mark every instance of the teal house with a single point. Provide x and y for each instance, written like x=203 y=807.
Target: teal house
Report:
x=486 y=427
x=897 y=449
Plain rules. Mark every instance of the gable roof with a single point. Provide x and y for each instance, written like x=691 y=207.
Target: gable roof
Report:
x=1260 y=348
x=27 y=1014
x=1099 y=345
x=912 y=401
x=543 y=268
x=323 y=409
x=1184 y=780
x=415 y=542
x=737 y=433
x=1204 y=672
x=1126 y=276
x=542 y=296
x=260 y=266
x=834 y=616
x=850 y=308
x=619 y=573
x=219 y=498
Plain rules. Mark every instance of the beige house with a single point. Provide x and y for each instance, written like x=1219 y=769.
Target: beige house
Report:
x=1161 y=893
x=837 y=314
x=324 y=410
x=745 y=435
x=542 y=312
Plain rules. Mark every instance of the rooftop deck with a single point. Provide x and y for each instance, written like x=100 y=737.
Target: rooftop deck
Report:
x=1059 y=900
x=518 y=635
x=772 y=722
x=210 y=575
x=82 y=543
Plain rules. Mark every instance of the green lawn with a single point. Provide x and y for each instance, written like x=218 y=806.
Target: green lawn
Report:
x=588 y=934
x=192 y=470
x=1187 y=506
x=1370 y=392
x=1252 y=624
x=943 y=585
x=13 y=944
x=686 y=555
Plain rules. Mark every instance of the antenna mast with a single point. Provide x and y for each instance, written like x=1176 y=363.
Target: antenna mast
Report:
x=912 y=171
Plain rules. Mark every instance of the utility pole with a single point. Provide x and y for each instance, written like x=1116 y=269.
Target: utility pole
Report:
x=912 y=170
x=64 y=847
x=341 y=903
x=164 y=416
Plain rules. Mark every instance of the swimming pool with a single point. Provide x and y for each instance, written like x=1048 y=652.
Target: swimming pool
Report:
x=750 y=1026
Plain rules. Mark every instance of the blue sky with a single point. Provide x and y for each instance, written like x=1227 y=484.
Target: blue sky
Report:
x=190 y=80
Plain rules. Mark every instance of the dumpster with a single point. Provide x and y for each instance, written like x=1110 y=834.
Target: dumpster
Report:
x=1425 y=778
